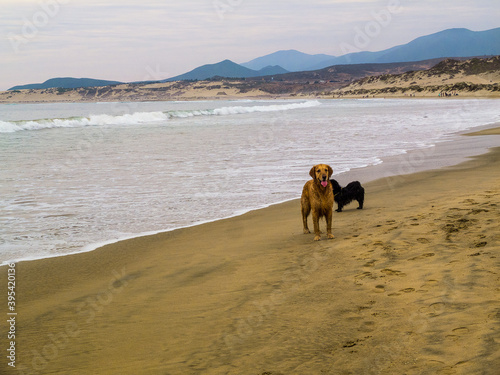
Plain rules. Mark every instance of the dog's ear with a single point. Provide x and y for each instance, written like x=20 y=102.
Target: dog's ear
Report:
x=312 y=172
x=330 y=171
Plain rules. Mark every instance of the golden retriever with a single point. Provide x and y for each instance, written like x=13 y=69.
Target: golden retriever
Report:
x=317 y=196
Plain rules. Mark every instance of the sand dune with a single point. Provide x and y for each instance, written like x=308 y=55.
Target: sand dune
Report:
x=472 y=78
x=208 y=90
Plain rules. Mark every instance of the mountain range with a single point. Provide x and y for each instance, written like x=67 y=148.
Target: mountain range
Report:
x=455 y=43
x=228 y=69
x=67 y=83
x=447 y=43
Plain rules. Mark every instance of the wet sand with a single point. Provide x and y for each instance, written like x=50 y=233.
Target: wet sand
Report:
x=410 y=285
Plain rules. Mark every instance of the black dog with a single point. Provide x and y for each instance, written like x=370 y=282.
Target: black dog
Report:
x=345 y=195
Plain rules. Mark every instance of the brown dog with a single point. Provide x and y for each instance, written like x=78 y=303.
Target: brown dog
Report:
x=317 y=196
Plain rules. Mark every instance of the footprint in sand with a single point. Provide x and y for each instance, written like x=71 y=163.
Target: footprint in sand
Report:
x=481 y=244
x=429 y=284
x=457 y=209
x=478 y=211
x=470 y=201
x=457 y=333
x=370 y=263
x=407 y=290
x=365 y=275
x=495 y=315
x=461 y=330
x=423 y=256
x=368 y=306
x=474 y=255
x=379 y=289
x=423 y=240
x=394 y=294
x=434 y=309
x=390 y=272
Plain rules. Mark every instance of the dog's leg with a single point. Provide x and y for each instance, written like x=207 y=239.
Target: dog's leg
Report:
x=317 y=232
x=329 y=224
x=339 y=207
x=361 y=200
x=305 y=213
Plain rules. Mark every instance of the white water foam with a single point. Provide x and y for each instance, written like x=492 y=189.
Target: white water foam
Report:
x=138 y=118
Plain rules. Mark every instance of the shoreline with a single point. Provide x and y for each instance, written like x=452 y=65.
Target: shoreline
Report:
x=256 y=98
x=41 y=96
x=390 y=167
x=409 y=285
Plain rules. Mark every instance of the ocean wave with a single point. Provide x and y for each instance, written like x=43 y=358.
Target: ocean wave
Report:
x=265 y=108
x=143 y=117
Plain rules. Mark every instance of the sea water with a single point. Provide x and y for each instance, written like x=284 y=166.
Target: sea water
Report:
x=73 y=176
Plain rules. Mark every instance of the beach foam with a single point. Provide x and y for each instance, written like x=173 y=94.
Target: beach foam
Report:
x=138 y=118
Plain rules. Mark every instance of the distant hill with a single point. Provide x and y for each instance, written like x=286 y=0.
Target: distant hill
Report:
x=446 y=78
x=66 y=83
x=447 y=43
x=271 y=71
x=343 y=74
x=291 y=60
x=228 y=69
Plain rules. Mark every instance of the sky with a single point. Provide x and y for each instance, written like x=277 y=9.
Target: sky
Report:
x=135 y=40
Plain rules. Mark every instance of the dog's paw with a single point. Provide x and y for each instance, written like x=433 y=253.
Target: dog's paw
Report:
x=330 y=236
x=307 y=231
x=317 y=238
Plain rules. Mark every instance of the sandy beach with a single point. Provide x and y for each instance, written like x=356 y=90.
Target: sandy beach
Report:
x=409 y=285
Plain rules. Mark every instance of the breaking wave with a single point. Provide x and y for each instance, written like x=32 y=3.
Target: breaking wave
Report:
x=143 y=117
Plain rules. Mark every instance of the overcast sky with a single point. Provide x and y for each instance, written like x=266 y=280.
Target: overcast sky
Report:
x=133 y=40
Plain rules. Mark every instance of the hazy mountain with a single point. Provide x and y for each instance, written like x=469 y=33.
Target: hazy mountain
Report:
x=447 y=43
x=271 y=70
x=343 y=74
x=228 y=69
x=291 y=60
x=66 y=83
